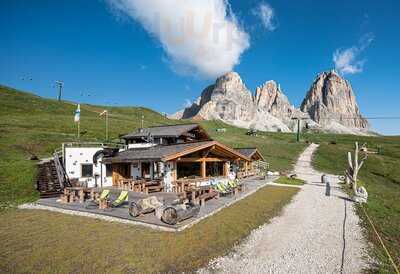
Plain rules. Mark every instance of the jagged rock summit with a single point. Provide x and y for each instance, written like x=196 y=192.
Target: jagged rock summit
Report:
x=270 y=98
x=229 y=100
x=331 y=103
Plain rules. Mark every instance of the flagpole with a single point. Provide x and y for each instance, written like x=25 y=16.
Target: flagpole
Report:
x=107 y=126
x=77 y=119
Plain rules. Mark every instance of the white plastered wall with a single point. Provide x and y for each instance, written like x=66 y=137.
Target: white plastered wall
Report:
x=76 y=156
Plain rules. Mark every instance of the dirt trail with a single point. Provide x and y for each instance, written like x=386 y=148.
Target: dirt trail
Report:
x=315 y=234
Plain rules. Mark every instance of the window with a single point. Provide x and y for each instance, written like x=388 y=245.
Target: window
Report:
x=87 y=170
x=108 y=170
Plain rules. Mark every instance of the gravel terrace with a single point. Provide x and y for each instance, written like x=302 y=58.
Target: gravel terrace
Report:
x=316 y=233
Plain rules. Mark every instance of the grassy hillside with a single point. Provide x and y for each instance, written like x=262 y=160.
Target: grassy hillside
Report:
x=32 y=125
x=381 y=177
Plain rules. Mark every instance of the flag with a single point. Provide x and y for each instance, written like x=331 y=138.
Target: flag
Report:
x=77 y=114
x=103 y=113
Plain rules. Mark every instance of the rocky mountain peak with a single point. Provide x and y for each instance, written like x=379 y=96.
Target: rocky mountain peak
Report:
x=330 y=99
x=231 y=76
x=269 y=94
x=230 y=83
x=270 y=98
x=330 y=96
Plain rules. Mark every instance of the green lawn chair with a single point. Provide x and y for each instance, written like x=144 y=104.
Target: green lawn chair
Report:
x=93 y=203
x=232 y=184
x=236 y=184
x=123 y=197
x=222 y=189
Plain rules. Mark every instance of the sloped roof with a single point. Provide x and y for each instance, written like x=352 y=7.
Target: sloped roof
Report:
x=169 y=152
x=162 y=131
x=249 y=152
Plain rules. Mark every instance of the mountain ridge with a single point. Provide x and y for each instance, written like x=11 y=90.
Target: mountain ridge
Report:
x=329 y=105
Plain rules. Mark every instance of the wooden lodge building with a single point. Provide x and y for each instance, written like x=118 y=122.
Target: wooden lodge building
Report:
x=164 y=155
x=172 y=153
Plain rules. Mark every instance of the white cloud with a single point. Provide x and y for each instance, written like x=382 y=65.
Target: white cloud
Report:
x=266 y=14
x=346 y=60
x=200 y=37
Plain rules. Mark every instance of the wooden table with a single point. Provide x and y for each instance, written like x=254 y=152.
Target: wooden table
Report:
x=181 y=186
x=104 y=203
x=73 y=194
x=198 y=195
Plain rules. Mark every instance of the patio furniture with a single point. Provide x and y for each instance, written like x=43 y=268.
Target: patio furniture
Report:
x=104 y=203
x=153 y=186
x=181 y=185
x=123 y=197
x=74 y=194
x=177 y=213
x=207 y=196
x=96 y=202
x=219 y=188
x=124 y=183
x=198 y=195
x=235 y=185
x=143 y=206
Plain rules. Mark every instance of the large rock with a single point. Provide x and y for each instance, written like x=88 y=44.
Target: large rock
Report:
x=230 y=101
x=331 y=103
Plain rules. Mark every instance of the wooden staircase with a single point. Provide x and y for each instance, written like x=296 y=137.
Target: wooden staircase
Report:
x=47 y=182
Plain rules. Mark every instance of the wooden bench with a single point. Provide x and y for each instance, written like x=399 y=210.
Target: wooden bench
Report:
x=207 y=196
x=153 y=186
x=150 y=189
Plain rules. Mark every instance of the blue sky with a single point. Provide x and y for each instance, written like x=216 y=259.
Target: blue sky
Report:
x=107 y=53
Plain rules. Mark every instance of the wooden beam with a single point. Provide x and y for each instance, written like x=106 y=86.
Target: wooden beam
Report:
x=217 y=147
x=174 y=171
x=194 y=159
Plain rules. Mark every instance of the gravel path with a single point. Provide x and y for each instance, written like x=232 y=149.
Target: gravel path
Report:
x=315 y=234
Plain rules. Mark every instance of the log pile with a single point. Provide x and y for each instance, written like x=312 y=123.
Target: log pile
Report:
x=47 y=181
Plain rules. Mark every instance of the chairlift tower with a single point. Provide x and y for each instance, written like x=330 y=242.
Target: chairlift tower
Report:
x=60 y=85
x=298 y=126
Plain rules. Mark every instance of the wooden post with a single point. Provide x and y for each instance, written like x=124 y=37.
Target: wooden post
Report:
x=226 y=168
x=193 y=197
x=81 y=196
x=203 y=169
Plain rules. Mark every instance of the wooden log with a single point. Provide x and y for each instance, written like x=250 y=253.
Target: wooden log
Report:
x=174 y=214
